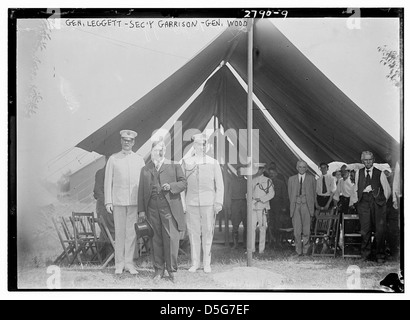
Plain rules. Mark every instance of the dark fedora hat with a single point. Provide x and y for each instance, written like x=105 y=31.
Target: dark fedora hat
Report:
x=143 y=228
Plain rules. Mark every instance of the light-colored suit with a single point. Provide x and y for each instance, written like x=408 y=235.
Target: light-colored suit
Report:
x=122 y=176
x=262 y=188
x=205 y=189
x=302 y=209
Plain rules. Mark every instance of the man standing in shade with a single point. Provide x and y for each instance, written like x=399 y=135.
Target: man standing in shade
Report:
x=344 y=191
x=302 y=193
x=122 y=176
x=278 y=213
x=371 y=192
x=204 y=199
x=159 y=198
x=100 y=205
x=262 y=192
x=237 y=193
x=325 y=188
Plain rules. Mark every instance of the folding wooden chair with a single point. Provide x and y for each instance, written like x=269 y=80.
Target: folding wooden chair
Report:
x=67 y=241
x=85 y=235
x=286 y=236
x=325 y=233
x=106 y=238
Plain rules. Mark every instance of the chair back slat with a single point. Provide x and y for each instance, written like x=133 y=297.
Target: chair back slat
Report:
x=84 y=224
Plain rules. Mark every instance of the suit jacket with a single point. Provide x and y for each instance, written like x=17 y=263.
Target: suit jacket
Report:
x=280 y=201
x=99 y=185
x=310 y=189
x=205 y=181
x=122 y=176
x=172 y=174
x=262 y=188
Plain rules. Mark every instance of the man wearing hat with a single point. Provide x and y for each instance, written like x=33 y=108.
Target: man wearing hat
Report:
x=262 y=192
x=122 y=176
x=204 y=199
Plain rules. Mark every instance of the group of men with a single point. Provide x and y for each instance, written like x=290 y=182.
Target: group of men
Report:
x=365 y=189
x=171 y=197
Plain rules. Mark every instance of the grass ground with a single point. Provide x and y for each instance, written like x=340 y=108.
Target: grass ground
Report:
x=276 y=270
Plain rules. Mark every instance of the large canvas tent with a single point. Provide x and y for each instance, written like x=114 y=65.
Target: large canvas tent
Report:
x=315 y=114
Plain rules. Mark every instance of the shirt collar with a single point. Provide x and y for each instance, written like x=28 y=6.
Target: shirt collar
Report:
x=126 y=152
x=160 y=162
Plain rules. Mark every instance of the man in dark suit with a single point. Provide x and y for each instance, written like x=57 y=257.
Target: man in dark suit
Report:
x=159 y=199
x=371 y=193
x=302 y=193
x=102 y=212
x=279 y=212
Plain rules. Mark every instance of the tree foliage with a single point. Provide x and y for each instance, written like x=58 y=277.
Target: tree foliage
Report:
x=41 y=33
x=391 y=59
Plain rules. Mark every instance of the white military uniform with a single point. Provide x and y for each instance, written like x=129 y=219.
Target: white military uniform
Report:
x=262 y=188
x=205 y=189
x=122 y=176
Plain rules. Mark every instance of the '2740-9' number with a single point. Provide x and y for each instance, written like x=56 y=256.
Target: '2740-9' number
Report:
x=264 y=13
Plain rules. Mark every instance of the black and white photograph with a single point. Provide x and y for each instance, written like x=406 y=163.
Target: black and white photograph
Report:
x=206 y=150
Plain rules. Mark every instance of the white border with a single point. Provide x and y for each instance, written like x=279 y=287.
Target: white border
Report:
x=4 y=294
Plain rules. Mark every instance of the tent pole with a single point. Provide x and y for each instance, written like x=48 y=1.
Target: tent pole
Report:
x=250 y=146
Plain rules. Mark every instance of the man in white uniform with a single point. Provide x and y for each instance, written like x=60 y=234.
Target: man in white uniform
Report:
x=263 y=191
x=204 y=199
x=121 y=182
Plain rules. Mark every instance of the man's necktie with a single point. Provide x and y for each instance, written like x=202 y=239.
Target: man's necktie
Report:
x=300 y=186
x=368 y=178
x=324 y=188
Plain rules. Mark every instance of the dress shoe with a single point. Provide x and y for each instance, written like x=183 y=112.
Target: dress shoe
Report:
x=366 y=259
x=207 y=269
x=119 y=271
x=158 y=275
x=132 y=270
x=193 y=269
x=171 y=276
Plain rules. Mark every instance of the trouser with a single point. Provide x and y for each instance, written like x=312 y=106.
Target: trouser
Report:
x=165 y=242
x=200 y=223
x=344 y=204
x=301 y=227
x=393 y=229
x=322 y=201
x=108 y=218
x=239 y=214
x=259 y=220
x=103 y=215
x=277 y=219
x=125 y=218
x=372 y=218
